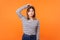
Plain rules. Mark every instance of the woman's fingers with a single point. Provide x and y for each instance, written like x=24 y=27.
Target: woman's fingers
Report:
x=28 y=4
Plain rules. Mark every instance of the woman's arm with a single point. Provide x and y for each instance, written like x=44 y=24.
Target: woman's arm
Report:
x=18 y=11
x=38 y=31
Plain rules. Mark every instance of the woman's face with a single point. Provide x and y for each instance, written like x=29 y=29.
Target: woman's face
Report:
x=31 y=12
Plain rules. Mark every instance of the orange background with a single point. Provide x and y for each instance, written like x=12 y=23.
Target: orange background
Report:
x=47 y=11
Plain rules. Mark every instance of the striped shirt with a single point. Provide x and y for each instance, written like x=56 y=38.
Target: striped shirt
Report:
x=29 y=27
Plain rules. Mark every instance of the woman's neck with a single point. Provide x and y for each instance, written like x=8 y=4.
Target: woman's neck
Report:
x=31 y=18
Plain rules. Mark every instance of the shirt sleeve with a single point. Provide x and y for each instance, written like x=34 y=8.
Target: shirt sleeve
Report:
x=18 y=11
x=38 y=31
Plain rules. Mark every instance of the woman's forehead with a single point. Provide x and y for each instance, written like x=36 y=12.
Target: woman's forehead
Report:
x=31 y=9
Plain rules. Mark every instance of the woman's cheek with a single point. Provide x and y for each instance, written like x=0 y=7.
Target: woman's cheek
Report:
x=29 y=13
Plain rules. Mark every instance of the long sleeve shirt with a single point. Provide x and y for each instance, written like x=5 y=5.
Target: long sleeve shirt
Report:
x=29 y=27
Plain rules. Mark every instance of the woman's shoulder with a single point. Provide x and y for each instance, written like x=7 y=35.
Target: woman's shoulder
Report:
x=37 y=20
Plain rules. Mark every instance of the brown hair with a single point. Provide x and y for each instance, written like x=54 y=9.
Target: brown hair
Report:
x=28 y=11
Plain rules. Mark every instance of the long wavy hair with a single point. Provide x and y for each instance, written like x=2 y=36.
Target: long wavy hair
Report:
x=28 y=9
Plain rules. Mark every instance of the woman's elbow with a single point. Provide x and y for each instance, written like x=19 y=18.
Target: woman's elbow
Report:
x=17 y=11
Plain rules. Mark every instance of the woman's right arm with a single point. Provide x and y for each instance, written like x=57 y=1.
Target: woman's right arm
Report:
x=18 y=11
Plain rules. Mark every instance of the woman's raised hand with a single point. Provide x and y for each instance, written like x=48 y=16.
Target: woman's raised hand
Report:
x=28 y=5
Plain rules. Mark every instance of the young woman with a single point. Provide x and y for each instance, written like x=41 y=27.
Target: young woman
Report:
x=30 y=24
